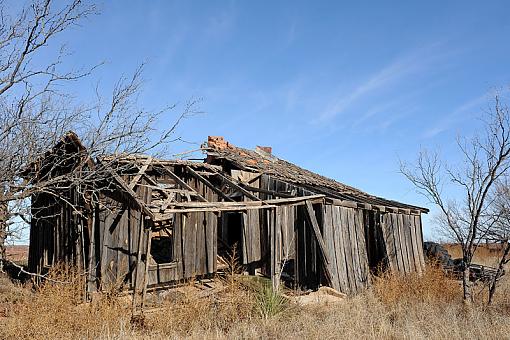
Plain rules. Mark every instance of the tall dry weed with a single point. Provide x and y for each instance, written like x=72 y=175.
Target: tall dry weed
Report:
x=432 y=286
x=414 y=307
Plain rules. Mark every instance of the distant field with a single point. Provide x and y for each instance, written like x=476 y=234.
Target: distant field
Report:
x=486 y=254
x=18 y=253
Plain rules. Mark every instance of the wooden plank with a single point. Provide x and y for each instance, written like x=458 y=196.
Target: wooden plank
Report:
x=146 y=269
x=329 y=238
x=315 y=227
x=266 y=191
x=300 y=260
x=209 y=184
x=387 y=238
x=338 y=242
x=169 y=212
x=409 y=243
x=179 y=180
x=138 y=282
x=419 y=238
x=166 y=203
x=354 y=248
x=133 y=195
x=392 y=227
x=320 y=241
x=414 y=242
x=177 y=245
x=254 y=219
x=200 y=255
x=245 y=238
x=403 y=243
x=190 y=245
x=292 y=231
x=238 y=187
x=343 y=214
x=362 y=248
x=140 y=173
x=284 y=234
x=398 y=244
x=272 y=247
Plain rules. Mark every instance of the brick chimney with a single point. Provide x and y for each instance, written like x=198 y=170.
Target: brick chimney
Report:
x=217 y=142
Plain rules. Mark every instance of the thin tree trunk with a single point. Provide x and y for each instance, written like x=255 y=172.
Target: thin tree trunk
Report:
x=466 y=283
x=3 y=233
x=494 y=283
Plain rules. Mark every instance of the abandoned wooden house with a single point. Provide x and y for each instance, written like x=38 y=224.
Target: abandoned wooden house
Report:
x=152 y=223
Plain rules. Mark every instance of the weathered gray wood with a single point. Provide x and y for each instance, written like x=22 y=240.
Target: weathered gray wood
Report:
x=419 y=239
x=245 y=238
x=180 y=181
x=132 y=194
x=189 y=250
x=320 y=241
x=209 y=184
x=140 y=173
x=146 y=269
x=338 y=227
x=210 y=227
x=315 y=227
x=238 y=187
x=414 y=241
x=354 y=249
x=200 y=253
x=347 y=250
x=138 y=282
x=409 y=242
x=329 y=238
x=403 y=243
x=284 y=233
x=273 y=251
x=91 y=275
x=177 y=245
x=362 y=249
x=392 y=218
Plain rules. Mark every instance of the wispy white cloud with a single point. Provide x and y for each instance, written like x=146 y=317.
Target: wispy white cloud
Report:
x=408 y=64
x=454 y=116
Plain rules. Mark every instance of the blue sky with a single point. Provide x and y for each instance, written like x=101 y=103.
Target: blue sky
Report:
x=341 y=89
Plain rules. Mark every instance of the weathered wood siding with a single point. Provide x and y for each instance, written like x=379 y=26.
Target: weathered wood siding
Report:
x=58 y=234
x=344 y=234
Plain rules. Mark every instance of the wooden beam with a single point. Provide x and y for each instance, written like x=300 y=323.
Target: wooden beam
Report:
x=141 y=171
x=180 y=181
x=322 y=246
x=165 y=204
x=207 y=183
x=169 y=213
x=245 y=192
x=145 y=209
x=265 y=191
x=146 y=270
x=318 y=198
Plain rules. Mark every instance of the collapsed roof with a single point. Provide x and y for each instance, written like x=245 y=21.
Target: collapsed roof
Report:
x=262 y=160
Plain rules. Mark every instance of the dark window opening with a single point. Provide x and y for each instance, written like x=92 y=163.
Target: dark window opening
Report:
x=162 y=249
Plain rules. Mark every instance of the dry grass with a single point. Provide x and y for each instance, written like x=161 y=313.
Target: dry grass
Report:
x=485 y=254
x=427 y=306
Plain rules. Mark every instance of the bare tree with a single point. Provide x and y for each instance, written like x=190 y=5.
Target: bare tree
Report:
x=35 y=112
x=485 y=159
x=500 y=232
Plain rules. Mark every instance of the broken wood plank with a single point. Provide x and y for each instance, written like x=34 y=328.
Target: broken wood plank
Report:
x=141 y=171
x=322 y=246
x=207 y=183
x=131 y=193
x=245 y=192
x=179 y=181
